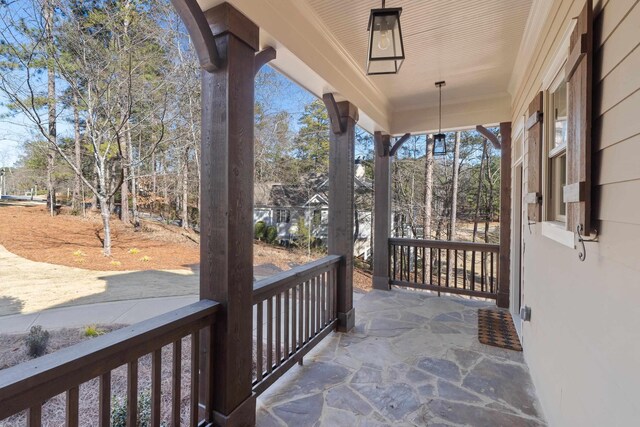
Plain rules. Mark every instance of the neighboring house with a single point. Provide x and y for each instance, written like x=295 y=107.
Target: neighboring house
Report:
x=283 y=206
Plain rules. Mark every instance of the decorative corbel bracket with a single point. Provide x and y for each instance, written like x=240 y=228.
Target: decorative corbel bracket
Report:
x=338 y=123
x=264 y=57
x=200 y=33
x=399 y=144
x=490 y=136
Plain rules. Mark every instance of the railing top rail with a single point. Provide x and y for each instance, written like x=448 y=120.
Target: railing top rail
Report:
x=446 y=244
x=277 y=283
x=49 y=375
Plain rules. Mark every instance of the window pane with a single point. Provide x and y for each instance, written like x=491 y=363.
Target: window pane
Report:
x=562 y=176
x=560 y=114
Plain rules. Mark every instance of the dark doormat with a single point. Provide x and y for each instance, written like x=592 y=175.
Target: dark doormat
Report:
x=496 y=328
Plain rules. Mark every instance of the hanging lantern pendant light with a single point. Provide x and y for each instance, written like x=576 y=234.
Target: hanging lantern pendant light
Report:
x=386 y=48
x=440 y=139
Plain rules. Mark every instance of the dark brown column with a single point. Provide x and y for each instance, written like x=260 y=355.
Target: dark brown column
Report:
x=381 y=211
x=504 y=278
x=226 y=243
x=341 y=199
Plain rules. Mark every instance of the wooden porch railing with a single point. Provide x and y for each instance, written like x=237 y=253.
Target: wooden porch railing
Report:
x=300 y=311
x=27 y=386
x=463 y=268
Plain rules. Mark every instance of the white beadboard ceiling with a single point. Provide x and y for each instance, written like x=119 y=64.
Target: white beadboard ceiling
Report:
x=471 y=44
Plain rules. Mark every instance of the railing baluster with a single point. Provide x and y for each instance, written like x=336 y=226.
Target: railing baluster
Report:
x=318 y=303
x=473 y=270
x=455 y=268
x=423 y=264
x=401 y=263
x=311 y=299
x=259 y=341
x=482 y=268
x=491 y=273
x=269 y=335
x=73 y=397
x=301 y=316
x=322 y=301
x=132 y=393
x=156 y=386
x=195 y=377
x=176 y=380
x=34 y=416
x=286 y=324
x=439 y=268
x=393 y=264
x=278 y=329
x=104 y=400
x=446 y=282
x=294 y=321
x=307 y=316
x=415 y=265
x=430 y=265
x=464 y=269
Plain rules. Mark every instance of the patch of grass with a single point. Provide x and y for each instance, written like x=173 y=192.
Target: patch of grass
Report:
x=115 y=263
x=93 y=331
x=79 y=253
x=134 y=251
x=80 y=260
x=145 y=258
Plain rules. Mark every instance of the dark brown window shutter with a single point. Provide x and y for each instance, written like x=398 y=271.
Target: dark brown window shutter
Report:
x=533 y=198
x=579 y=70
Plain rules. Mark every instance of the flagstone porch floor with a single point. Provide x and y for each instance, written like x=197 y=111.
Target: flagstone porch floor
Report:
x=413 y=360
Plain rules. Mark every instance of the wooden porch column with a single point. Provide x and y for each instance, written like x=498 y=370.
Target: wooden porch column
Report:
x=504 y=279
x=343 y=116
x=226 y=218
x=381 y=211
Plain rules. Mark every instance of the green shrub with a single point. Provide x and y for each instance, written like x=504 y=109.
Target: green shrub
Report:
x=259 y=230
x=92 y=331
x=37 y=341
x=119 y=411
x=271 y=234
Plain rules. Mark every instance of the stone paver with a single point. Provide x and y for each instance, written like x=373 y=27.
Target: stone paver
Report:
x=412 y=360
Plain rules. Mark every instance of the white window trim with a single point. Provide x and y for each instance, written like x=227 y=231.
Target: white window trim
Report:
x=554 y=230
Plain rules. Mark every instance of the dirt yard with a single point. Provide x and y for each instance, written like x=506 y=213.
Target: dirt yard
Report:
x=28 y=231
x=53 y=262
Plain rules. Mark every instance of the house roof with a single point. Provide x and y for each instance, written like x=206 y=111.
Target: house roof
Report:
x=313 y=190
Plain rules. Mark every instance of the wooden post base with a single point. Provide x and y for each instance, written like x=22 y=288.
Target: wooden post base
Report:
x=347 y=321
x=381 y=283
x=243 y=416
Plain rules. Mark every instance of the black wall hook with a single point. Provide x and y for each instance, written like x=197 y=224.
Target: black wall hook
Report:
x=582 y=251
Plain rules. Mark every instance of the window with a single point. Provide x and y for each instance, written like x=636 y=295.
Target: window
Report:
x=557 y=149
x=282 y=215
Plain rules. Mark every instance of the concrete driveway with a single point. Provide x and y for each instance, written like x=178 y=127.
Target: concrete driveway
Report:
x=27 y=286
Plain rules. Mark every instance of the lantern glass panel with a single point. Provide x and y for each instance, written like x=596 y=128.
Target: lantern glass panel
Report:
x=386 y=50
x=439 y=144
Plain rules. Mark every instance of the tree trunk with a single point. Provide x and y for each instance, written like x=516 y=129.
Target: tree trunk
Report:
x=105 y=213
x=185 y=189
x=51 y=102
x=96 y=185
x=476 y=216
x=454 y=189
x=134 y=182
x=124 y=190
x=78 y=201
